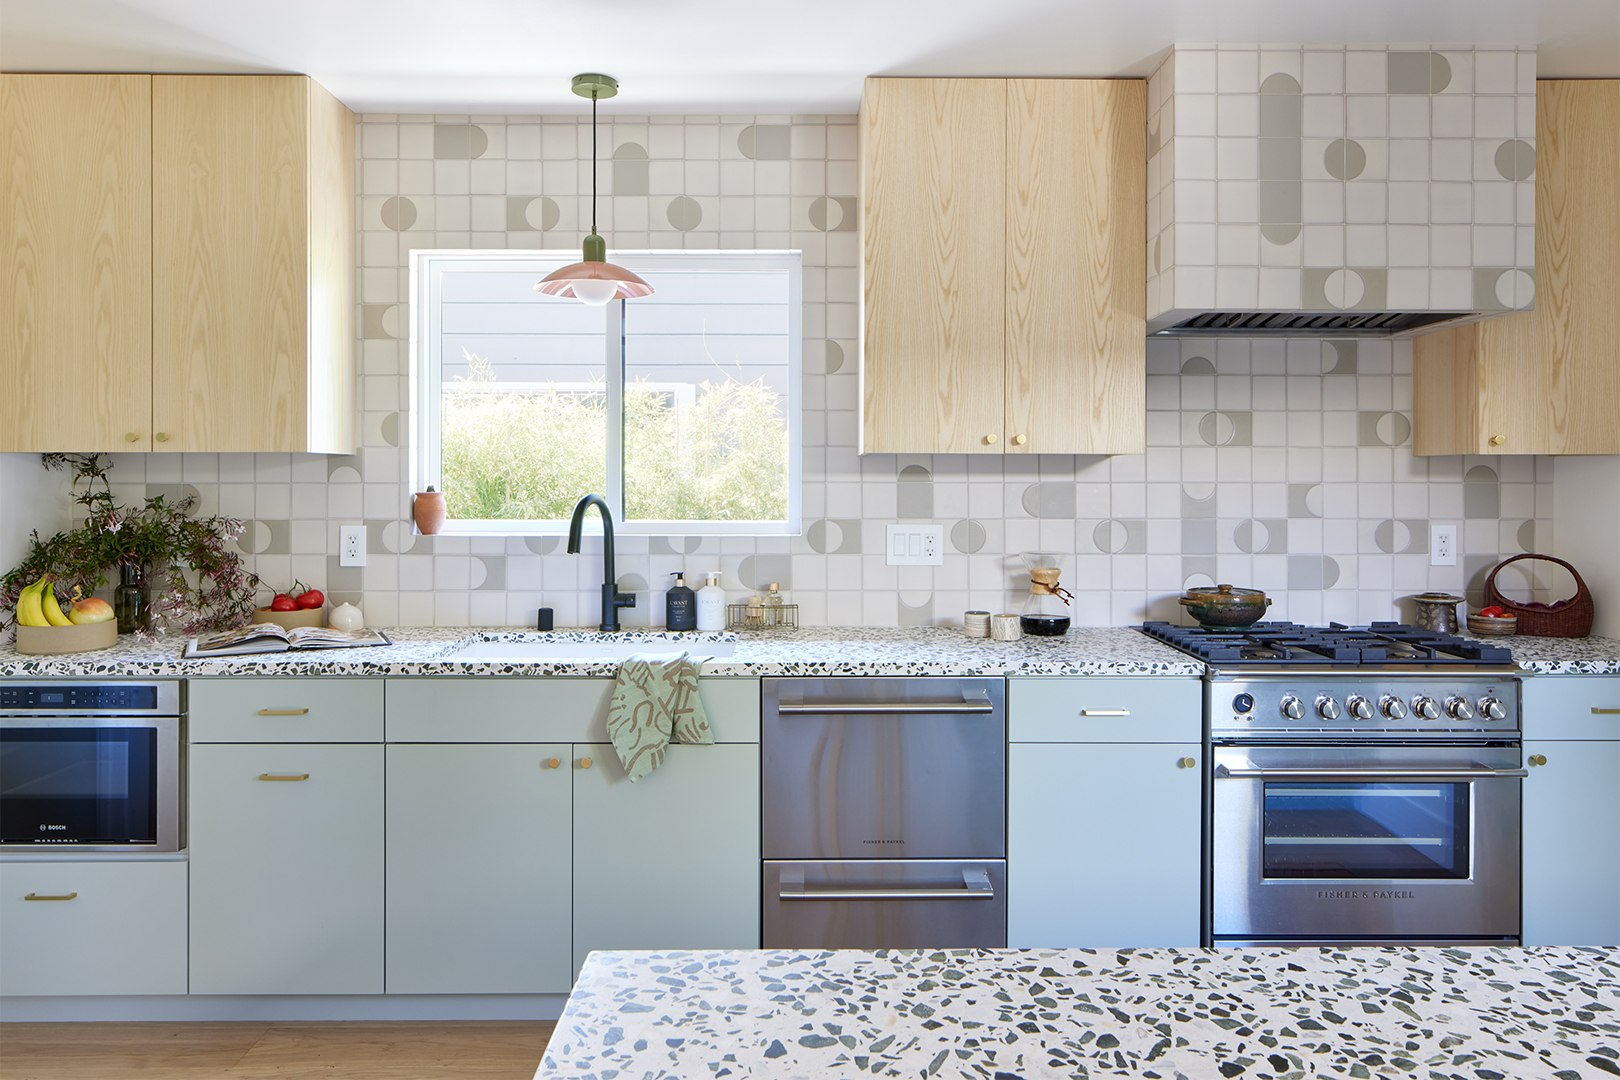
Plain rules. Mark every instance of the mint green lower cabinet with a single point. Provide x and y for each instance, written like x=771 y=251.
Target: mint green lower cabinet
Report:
x=286 y=875
x=1103 y=845
x=672 y=860
x=1572 y=843
x=479 y=868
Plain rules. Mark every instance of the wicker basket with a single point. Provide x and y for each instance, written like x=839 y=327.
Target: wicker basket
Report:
x=1572 y=621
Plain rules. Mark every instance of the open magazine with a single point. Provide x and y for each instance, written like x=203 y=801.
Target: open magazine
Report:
x=270 y=638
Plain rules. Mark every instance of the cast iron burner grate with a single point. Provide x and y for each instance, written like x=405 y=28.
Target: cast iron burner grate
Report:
x=1380 y=644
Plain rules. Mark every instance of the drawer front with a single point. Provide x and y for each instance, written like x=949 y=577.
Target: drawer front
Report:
x=1105 y=709
x=299 y=709
x=122 y=932
x=1572 y=707
x=524 y=709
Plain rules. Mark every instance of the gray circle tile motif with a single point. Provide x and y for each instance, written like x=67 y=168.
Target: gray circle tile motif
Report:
x=1216 y=429
x=1198 y=365
x=1393 y=429
x=967 y=536
x=398 y=213
x=1251 y=536
x=390 y=427
x=1392 y=536
x=824 y=536
x=1110 y=536
x=1281 y=233
x=685 y=213
x=835 y=356
x=1527 y=536
x=540 y=545
x=1516 y=159
x=1280 y=84
x=826 y=214
x=1344 y=159
x=542 y=213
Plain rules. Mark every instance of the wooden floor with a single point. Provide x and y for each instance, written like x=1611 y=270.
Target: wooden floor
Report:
x=285 y=1051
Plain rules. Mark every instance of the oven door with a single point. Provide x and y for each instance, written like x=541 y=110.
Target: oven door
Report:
x=90 y=782
x=1359 y=843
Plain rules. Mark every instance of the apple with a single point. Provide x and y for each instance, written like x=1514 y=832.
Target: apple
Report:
x=90 y=610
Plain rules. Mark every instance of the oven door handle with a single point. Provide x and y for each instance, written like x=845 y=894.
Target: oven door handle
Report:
x=1478 y=772
x=975 y=886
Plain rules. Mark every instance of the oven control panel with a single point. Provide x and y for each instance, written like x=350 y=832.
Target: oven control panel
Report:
x=90 y=698
x=1317 y=704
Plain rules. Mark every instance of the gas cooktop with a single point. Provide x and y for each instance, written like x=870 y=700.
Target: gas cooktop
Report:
x=1286 y=644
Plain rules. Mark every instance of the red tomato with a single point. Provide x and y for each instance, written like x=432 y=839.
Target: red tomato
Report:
x=1492 y=612
x=314 y=598
x=283 y=602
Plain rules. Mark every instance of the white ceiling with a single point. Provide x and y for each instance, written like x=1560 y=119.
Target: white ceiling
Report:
x=734 y=56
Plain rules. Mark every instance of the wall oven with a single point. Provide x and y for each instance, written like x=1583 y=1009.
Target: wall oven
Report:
x=884 y=813
x=90 y=766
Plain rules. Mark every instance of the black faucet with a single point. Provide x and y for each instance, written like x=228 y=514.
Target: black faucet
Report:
x=612 y=598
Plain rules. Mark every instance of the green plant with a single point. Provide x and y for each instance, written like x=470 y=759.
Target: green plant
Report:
x=197 y=584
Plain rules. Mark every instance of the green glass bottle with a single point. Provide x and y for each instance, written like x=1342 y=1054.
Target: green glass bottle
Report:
x=131 y=603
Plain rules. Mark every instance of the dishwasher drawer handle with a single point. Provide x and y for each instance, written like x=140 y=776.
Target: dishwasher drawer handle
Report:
x=972 y=702
x=1478 y=772
x=975 y=886
x=36 y=896
x=273 y=776
x=1605 y=712
x=1105 y=712
x=283 y=712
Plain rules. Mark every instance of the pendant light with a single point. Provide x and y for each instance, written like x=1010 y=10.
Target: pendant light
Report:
x=594 y=281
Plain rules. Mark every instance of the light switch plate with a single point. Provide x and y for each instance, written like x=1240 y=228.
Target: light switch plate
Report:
x=1442 y=545
x=351 y=545
x=915 y=545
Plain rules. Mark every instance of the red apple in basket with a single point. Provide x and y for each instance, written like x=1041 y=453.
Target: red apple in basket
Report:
x=90 y=610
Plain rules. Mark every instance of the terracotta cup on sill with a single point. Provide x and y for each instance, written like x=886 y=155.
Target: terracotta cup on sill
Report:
x=428 y=509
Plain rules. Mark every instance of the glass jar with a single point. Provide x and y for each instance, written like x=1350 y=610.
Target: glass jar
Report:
x=132 y=604
x=1046 y=612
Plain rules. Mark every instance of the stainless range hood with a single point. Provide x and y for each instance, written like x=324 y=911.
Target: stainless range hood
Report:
x=1345 y=191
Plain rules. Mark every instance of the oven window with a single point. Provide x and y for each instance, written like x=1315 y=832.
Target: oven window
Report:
x=1363 y=830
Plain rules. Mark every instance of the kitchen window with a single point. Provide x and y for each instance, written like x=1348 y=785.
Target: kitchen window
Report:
x=682 y=408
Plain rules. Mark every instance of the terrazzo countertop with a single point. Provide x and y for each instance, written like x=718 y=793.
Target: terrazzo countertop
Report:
x=1175 y=1014
x=1564 y=656
x=848 y=651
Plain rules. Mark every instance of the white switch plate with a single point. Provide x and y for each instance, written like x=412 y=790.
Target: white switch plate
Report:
x=1442 y=545
x=351 y=545
x=915 y=545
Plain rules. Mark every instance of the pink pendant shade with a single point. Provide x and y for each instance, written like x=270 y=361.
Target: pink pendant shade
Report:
x=627 y=286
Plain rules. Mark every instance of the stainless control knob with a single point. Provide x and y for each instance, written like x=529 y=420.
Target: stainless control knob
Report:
x=1392 y=707
x=1426 y=708
x=1459 y=709
x=1491 y=709
x=1359 y=707
x=1292 y=707
x=1327 y=708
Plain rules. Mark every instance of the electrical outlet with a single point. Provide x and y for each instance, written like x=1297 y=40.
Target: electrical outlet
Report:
x=351 y=545
x=915 y=545
x=1442 y=545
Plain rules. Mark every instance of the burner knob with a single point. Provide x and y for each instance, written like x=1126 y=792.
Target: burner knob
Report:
x=1491 y=709
x=1243 y=703
x=1327 y=708
x=1292 y=707
x=1459 y=709
x=1426 y=708
x=1359 y=707
x=1393 y=707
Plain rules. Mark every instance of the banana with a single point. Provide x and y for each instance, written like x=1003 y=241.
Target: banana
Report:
x=29 y=610
x=53 y=610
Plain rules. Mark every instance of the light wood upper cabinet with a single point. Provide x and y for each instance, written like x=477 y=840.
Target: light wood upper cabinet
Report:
x=76 y=183
x=253 y=265
x=1546 y=381
x=1003 y=303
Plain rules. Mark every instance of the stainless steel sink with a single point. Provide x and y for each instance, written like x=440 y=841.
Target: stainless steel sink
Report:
x=539 y=649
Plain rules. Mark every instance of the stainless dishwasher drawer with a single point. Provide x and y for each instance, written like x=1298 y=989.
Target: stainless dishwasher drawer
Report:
x=870 y=904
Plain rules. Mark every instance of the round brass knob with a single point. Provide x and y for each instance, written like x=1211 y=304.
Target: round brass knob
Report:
x=584 y=762
x=162 y=436
x=1538 y=759
x=552 y=763
x=1186 y=762
x=990 y=440
x=132 y=437
x=1020 y=440
x=1498 y=440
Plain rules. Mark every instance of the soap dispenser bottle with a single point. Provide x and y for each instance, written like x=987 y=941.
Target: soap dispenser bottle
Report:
x=711 y=605
x=680 y=610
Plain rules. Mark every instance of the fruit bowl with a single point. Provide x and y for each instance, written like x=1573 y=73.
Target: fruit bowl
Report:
x=291 y=620
x=1492 y=626
x=81 y=637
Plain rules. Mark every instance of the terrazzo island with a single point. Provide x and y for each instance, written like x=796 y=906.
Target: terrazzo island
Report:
x=813 y=651
x=1170 y=1014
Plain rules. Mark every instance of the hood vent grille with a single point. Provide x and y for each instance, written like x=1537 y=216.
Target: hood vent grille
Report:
x=1308 y=323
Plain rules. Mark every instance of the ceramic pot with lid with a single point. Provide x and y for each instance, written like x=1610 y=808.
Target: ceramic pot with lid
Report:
x=1436 y=611
x=1226 y=607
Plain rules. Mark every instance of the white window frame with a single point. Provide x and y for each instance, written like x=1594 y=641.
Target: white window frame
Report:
x=426 y=271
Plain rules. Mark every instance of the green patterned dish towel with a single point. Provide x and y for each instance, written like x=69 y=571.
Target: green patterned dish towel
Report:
x=655 y=698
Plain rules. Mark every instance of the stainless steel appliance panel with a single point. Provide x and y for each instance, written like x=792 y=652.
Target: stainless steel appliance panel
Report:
x=874 y=904
x=883 y=768
x=1365 y=842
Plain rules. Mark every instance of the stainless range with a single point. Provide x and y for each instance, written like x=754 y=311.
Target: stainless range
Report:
x=1364 y=786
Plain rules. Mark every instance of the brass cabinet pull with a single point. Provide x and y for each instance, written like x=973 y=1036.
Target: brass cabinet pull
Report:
x=1186 y=762
x=132 y=437
x=584 y=762
x=272 y=776
x=1605 y=712
x=990 y=440
x=1105 y=712
x=551 y=763
x=162 y=436
x=282 y=712
x=36 y=896
x=1020 y=440
x=1498 y=440
x=1538 y=759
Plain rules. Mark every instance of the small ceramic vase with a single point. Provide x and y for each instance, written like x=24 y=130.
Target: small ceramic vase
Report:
x=428 y=509
x=346 y=617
